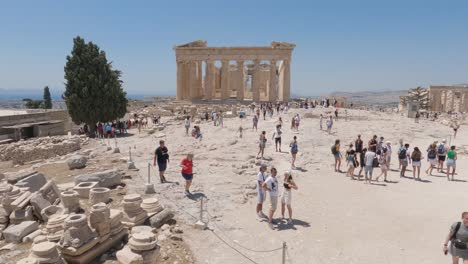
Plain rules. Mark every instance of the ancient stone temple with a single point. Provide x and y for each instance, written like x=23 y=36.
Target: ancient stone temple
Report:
x=448 y=98
x=239 y=73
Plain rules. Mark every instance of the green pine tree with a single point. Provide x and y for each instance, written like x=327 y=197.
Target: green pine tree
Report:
x=47 y=98
x=93 y=89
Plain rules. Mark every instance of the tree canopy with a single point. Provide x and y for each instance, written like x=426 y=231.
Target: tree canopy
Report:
x=420 y=95
x=33 y=104
x=93 y=89
x=47 y=98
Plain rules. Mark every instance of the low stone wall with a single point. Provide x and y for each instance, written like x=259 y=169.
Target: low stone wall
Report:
x=39 y=148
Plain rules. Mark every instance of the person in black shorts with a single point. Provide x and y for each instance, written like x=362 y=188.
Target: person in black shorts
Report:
x=162 y=157
x=362 y=161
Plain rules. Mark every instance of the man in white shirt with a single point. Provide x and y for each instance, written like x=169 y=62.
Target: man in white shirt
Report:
x=271 y=185
x=369 y=161
x=277 y=137
x=261 y=177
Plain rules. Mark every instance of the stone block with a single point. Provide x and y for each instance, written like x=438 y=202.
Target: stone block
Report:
x=83 y=188
x=21 y=215
x=15 y=233
x=126 y=256
x=77 y=162
x=161 y=218
x=39 y=203
x=14 y=177
x=50 y=192
x=97 y=250
x=108 y=179
x=33 y=182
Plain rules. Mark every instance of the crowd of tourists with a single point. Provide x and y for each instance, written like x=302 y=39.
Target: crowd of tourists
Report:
x=378 y=154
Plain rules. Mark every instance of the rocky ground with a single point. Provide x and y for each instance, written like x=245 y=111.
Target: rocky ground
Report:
x=335 y=219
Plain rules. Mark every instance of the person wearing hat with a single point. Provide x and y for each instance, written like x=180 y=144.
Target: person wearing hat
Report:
x=261 y=177
x=441 y=155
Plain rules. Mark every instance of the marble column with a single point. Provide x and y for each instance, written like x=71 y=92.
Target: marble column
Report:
x=179 y=80
x=287 y=81
x=224 y=79
x=452 y=108
x=272 y=91
x=186 y=80
x=256 y=82
x=209 y=80
x=465 y=102
x=199 y=79
x=192 y=80
x=241 y=88
x=444 y=109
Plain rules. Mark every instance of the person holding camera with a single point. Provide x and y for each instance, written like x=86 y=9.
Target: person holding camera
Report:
x=458 y=237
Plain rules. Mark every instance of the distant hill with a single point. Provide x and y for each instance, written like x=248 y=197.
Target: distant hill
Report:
x=372 y=98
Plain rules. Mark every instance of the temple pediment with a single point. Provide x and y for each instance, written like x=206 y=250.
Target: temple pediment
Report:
x=277 y=44
x=194 y=44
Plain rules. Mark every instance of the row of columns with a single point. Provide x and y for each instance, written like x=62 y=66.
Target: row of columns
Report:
x=439 y=96
x=191 y=85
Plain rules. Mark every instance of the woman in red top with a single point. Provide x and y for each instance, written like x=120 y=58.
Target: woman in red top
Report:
x=187 y=173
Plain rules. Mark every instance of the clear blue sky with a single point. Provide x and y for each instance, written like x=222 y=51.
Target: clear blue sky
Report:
x=341 y=45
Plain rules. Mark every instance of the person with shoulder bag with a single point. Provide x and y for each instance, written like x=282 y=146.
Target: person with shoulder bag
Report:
x=458 y=238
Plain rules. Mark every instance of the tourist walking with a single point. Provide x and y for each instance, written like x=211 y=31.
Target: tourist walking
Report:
x=162 y=158
x=271 y=186
x=240 y=130
x=372 y=146
x=261 y=177
x=400 y=148
x=255 y=122
x=187 y=125
x=352 y=163
x=368 y=169
x=431 y=158
x=286 y=197
x=389 y=154
x=458 y=238
x=297 y=121
x=321 y=121
x=335 y=149
x=383 y=164
x=451 y=162
x=277 y=137
x=416 y=157
x=187 y=172
x=441 y=155
x=294 y=149
x=262 y=144
x=362 y=161
x=404 y=157
x=329 y=124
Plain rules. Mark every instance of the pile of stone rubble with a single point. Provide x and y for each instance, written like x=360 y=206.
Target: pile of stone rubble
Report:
x=77 y=225
x=40 y=148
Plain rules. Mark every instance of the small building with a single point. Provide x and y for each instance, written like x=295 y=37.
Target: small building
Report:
x=453 y=98
x=21 y=124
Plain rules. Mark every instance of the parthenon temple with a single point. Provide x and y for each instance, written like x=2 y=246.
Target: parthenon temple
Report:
x=448 y=98
x=239 y=73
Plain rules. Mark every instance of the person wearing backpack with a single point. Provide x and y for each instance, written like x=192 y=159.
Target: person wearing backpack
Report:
x=458 y=238
x=441 y=154
x=431 y=158
x=451 y=161
x=335 y=149
x=294 y=149
x=404 y=157
x=416 y=157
